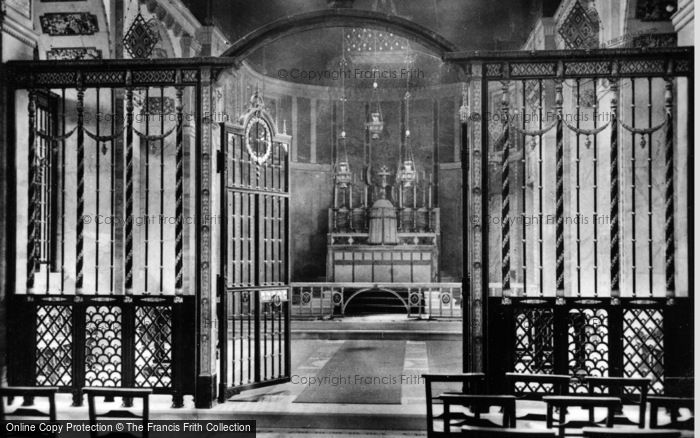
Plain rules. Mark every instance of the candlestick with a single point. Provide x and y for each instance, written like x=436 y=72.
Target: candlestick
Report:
x=430 y=192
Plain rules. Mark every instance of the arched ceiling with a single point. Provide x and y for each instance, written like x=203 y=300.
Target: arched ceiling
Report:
x=466 y=24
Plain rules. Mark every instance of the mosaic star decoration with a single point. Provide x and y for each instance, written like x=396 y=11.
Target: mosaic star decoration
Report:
x=141 y=38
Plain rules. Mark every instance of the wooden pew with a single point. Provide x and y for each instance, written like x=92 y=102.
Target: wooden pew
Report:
x=564 y=402
x=672 y=404
x=480 y=403
x=29 y=393
x=471 y=382
x=125 y=393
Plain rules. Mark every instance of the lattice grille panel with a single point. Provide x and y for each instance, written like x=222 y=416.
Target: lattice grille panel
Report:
x=54 y=344
x=534 y=346
x=588 y=345
x=643 y=346
x=103 y=346
x=153 y=346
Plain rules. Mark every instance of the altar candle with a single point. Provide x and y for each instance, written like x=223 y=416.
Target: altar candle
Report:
x=430 y=192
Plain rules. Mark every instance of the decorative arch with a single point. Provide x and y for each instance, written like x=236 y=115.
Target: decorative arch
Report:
x=375 y=289
x=337 y=18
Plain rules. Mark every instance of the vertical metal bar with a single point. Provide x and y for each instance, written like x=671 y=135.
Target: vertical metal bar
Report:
x=63 y=190
x=33 y=233
x=79 y=258
x=256 y=358
x=650 y=185
x=112 y=191
x=129 y=189
x=179 y=185
x=614 y=195
x=162 y=189
x=669 y=228
x=146 y=163
x=288 y=340
x=97 y=191
x=578 y=188
x=559 y=189
x=633 y=188
x=540 y=188
x=595 y=188
x=523 y=169
x=505 y=194
x=223 y=335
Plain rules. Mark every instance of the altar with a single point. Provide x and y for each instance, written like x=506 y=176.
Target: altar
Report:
x=385 y=243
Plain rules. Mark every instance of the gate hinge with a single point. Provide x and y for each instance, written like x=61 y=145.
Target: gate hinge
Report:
x=220 y=163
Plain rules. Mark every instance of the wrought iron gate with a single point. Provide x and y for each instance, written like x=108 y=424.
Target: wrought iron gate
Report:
x=254 y=307
x=580 y=191
x=101 y=255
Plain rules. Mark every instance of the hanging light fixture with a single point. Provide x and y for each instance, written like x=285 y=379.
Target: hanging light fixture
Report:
x=406 y=174
x=376 y=122
x=343 y=172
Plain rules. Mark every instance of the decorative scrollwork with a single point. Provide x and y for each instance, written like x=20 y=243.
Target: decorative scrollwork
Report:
x=535 y=132
x=104 y=138
x=586 y=132
x=157 y=137
x=643 y=131
x=49 y=137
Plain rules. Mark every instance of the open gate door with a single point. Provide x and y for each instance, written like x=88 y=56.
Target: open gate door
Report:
x=254 y=293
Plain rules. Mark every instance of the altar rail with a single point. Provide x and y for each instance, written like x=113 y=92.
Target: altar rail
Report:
x=422 y=300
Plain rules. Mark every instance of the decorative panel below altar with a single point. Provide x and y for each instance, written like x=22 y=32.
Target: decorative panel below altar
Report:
x=413 y=259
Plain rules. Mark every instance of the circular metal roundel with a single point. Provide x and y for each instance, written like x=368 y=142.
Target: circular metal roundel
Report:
x=445 y=298
x=276 y=300
x=337 y=298
x=258 y=139
x=305 y=298
x=414 y=299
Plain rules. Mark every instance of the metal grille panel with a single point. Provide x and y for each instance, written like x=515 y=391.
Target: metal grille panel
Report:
x=153 y=340
x=643 y=346
x=54 y=344
x=103 y=346
x=534 y=346
x=588 y=345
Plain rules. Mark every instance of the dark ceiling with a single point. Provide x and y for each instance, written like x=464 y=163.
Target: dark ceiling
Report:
x=468 y=24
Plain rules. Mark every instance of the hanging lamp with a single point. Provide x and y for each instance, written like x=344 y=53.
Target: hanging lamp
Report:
x=343 y=172
x=406 y=174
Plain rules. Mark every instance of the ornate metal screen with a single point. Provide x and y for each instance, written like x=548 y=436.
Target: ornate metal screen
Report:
x=579 y=172
x=104 y=223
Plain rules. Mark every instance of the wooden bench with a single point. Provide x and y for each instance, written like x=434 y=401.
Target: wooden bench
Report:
x=471 y=382
x=479 y=403
x=615 y=387
x=125 y=393
x=563 y=402
x=29 y=393
x=594 y=432
x=495 y=432
x=672 y=404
